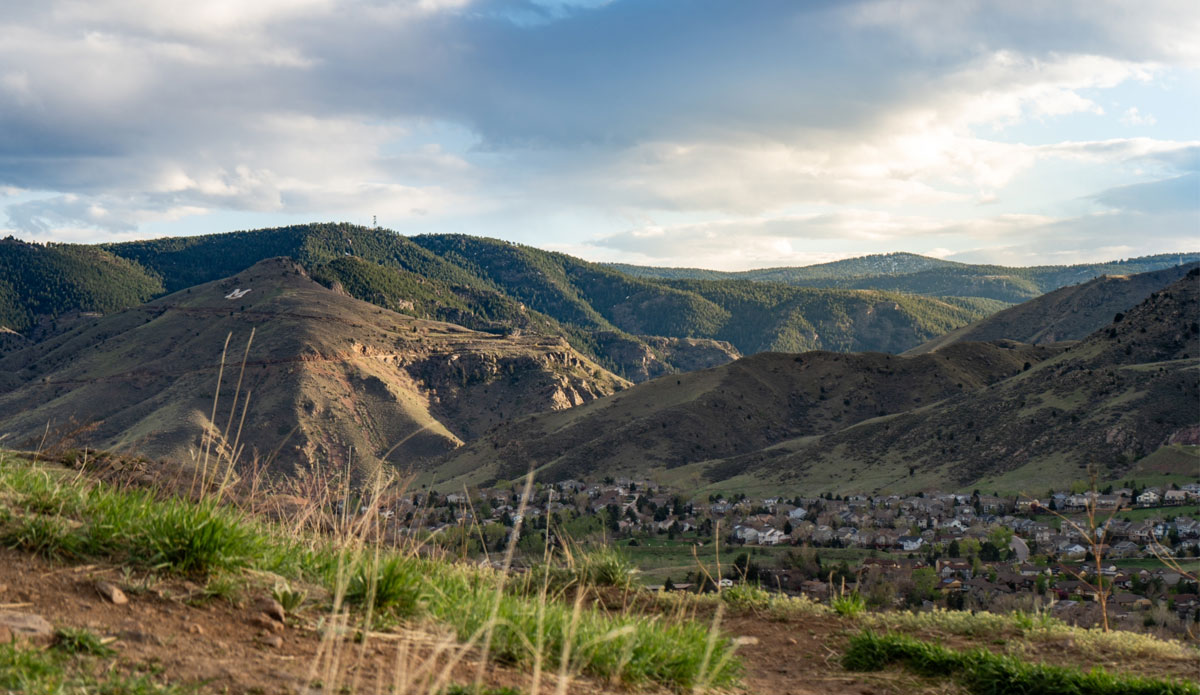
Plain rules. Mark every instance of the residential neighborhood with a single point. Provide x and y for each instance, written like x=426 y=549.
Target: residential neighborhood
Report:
x=952 y=549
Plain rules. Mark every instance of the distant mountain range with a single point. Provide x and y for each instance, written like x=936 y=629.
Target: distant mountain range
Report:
x=478 y=358
x=907 y=272
x=1001 y=415
x=638 y=328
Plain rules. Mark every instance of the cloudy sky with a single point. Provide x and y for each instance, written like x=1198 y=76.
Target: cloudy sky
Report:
x=716 y=133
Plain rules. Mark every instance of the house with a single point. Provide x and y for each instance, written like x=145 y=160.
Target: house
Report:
x=1174 y=497
x=954 y=568
x=770 y=536
x=910 y=543
x=1148 y=498
x=1124 y=549
x=745 y=534
x=797 y=514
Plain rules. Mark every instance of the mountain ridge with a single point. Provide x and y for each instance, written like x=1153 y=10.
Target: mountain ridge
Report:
x=498 y=287
x=329 y=378
x=1109 y=400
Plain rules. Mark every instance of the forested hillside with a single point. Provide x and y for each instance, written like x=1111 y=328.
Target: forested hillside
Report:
x=870 y=303
x=42 y=283
x=492 y=285
x=906 y=272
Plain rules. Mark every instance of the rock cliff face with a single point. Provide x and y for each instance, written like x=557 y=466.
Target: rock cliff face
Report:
x=690 y=354
x=649 y=357
x=328 y=379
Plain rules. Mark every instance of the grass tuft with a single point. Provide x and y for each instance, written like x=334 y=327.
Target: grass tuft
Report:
x=392 y=585
x=197 y=538
x=849 y=605
x=81 y=641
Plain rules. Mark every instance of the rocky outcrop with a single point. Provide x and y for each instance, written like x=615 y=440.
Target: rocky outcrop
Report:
x=690 y=354
x=645 y=357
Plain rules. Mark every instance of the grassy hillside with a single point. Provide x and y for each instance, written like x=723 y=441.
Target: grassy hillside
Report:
x=1069 y=313
x=1002 y=416
x=42 y=283
x=753 y=317
x=730 y=411
x=1116 y=397
x=392 y=271
x=326 y=378
x=775 y=317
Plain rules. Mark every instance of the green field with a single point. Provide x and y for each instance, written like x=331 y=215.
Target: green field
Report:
x=1165 y=513
x=659 y=558
x=1190 y=565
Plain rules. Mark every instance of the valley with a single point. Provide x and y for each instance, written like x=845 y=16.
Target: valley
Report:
x=661 y=448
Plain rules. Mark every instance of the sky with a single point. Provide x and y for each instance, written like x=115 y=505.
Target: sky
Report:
x=726 y=134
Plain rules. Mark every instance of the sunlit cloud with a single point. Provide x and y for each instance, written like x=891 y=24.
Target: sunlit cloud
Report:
x=699 y=133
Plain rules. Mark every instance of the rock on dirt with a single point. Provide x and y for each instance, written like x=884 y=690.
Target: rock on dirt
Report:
x=25 y=626
x=112 y=593
x=271 y=608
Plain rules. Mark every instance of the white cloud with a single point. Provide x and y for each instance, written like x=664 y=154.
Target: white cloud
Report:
x=899 y=112
x=1134 y=117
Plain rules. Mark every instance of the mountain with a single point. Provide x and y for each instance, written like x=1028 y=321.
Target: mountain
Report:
x=41 y=284
x=328 y=379
x=635 y=327
x=732 y=410
x=862 y=266
x=763 y=317
x=905 y=272
x=1069 y=313
x=1001 y=415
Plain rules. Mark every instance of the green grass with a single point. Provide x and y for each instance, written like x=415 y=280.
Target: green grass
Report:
x=1165 y=513
x=61 y=671
x=81 y=641
x=987 y=673
x=205 y=539
x=658 y=558
x=1149 y=563
x=602 y=566
x=849 y=606
x=393 y=585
